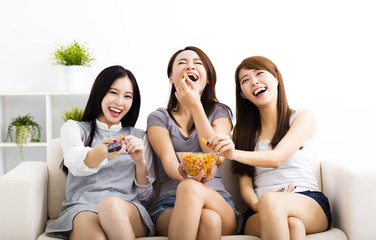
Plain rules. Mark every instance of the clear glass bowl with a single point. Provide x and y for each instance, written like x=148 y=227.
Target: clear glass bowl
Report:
x=193 y=162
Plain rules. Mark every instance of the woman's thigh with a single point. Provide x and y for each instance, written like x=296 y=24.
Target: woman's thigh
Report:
x=112 y=209
x=86 y=226
x=162 y=223
x=305 y=208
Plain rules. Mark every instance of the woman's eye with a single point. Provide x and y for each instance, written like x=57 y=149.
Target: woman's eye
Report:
x=179 y=63
x=244 y=81
x=259 y=73
x=113 y=92
x=128 y=97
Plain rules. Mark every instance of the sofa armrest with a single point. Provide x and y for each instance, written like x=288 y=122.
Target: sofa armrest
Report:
x=349 y=188
x=23 y=201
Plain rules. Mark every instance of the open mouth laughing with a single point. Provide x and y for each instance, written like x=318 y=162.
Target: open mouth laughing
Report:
x=192 y=76
x=115 y=112
x=259 y=91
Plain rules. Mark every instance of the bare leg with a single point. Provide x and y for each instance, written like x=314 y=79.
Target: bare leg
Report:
x=163 y=221
x=296 y=228
x=275 y=208
x=253 y=226
x=210 y=222
x=191 y=198
x=120 y=219
x=86 y=226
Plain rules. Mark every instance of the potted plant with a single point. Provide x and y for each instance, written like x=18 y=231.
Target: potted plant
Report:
x=23 y=129
x=74 y=114
x=74 y=57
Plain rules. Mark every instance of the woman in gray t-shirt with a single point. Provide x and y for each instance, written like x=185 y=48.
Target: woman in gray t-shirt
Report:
x=191 y=207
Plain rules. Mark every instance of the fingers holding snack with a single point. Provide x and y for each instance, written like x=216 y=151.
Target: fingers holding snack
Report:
x=134 y=147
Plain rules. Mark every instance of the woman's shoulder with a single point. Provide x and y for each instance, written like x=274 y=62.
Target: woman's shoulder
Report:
x=302 y=112
x=158 y=116
x=221 y=110
x=71 y=124
x=159 y=111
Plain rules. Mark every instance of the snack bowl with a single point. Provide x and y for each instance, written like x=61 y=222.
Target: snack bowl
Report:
x=193 y=162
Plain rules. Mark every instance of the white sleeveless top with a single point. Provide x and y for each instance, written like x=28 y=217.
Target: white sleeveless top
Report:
x=298 y=170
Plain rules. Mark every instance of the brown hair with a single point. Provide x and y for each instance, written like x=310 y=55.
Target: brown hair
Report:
x=208 y=98
x=248 y=124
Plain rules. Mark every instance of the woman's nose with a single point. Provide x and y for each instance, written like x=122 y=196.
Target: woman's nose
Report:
x=119 y=100
x=255 y=82
x=190 y=65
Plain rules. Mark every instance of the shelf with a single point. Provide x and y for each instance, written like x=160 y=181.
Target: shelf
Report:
x=46 y=107
x=39 y=144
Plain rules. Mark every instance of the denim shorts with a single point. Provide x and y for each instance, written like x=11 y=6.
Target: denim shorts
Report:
x=169 y=203
x=319 y=197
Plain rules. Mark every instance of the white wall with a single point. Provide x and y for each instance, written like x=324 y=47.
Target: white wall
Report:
x=324 y=49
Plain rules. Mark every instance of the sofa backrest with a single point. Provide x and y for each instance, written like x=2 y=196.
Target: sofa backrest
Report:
x=57 y=180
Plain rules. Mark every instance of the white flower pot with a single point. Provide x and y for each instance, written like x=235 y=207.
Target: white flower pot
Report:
x=28 y=134
x=74 y=78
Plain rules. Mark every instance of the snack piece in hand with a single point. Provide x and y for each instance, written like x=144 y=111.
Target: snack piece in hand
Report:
x=204 y=141
x=195 y=162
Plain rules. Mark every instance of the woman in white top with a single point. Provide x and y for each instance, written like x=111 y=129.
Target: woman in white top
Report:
x=274 y=150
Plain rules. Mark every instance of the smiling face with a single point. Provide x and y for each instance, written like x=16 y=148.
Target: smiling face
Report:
x=258 y=86
x=188 y=62
x=117 y=102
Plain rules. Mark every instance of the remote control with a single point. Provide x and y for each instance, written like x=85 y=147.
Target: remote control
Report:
x=112 y=147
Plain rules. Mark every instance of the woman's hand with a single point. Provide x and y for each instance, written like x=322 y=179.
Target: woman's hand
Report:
x=200 y=176
x=102 y=148
x=222 y=143
x=290 y=188
x=187 y=93
x=135 y=148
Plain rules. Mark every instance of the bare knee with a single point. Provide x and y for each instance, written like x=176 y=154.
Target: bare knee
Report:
x=210 y=226
x=210 y=221
x=268 y=202
x=112 y=208
x=189 y=188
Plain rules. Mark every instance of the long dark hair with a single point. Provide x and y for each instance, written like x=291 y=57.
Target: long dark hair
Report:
x=248 y=125
x=99 y=90
x=208 y=97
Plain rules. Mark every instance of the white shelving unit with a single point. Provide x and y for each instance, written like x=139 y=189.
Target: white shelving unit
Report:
x=46 y=108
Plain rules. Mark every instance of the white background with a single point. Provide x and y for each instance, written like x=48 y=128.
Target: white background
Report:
x=324 y=49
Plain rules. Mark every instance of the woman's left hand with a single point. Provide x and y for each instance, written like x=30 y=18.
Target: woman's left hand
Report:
x=187 y=93
x=200 y=176
x=135 y=148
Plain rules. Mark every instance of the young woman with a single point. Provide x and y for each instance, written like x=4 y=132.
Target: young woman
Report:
x=104 y=189
x=190 y=208
x=274 y=147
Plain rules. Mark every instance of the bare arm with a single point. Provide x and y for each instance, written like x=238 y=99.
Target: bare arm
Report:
x=247 y=192
x=160 y=140
x=301 y=129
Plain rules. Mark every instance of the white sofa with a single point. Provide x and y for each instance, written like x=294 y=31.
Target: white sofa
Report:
x=31 y=196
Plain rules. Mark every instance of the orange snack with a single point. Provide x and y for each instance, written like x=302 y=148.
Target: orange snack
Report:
x=195 y=162
x=204 y=141
x=185 y=76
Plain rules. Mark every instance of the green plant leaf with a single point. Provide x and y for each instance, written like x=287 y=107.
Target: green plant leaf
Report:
x=25 y=126
x=72 y=54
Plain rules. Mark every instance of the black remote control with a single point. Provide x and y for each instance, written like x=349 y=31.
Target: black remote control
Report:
x=112 y=147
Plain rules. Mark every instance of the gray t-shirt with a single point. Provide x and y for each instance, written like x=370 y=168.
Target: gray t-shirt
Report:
x=181 y=143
